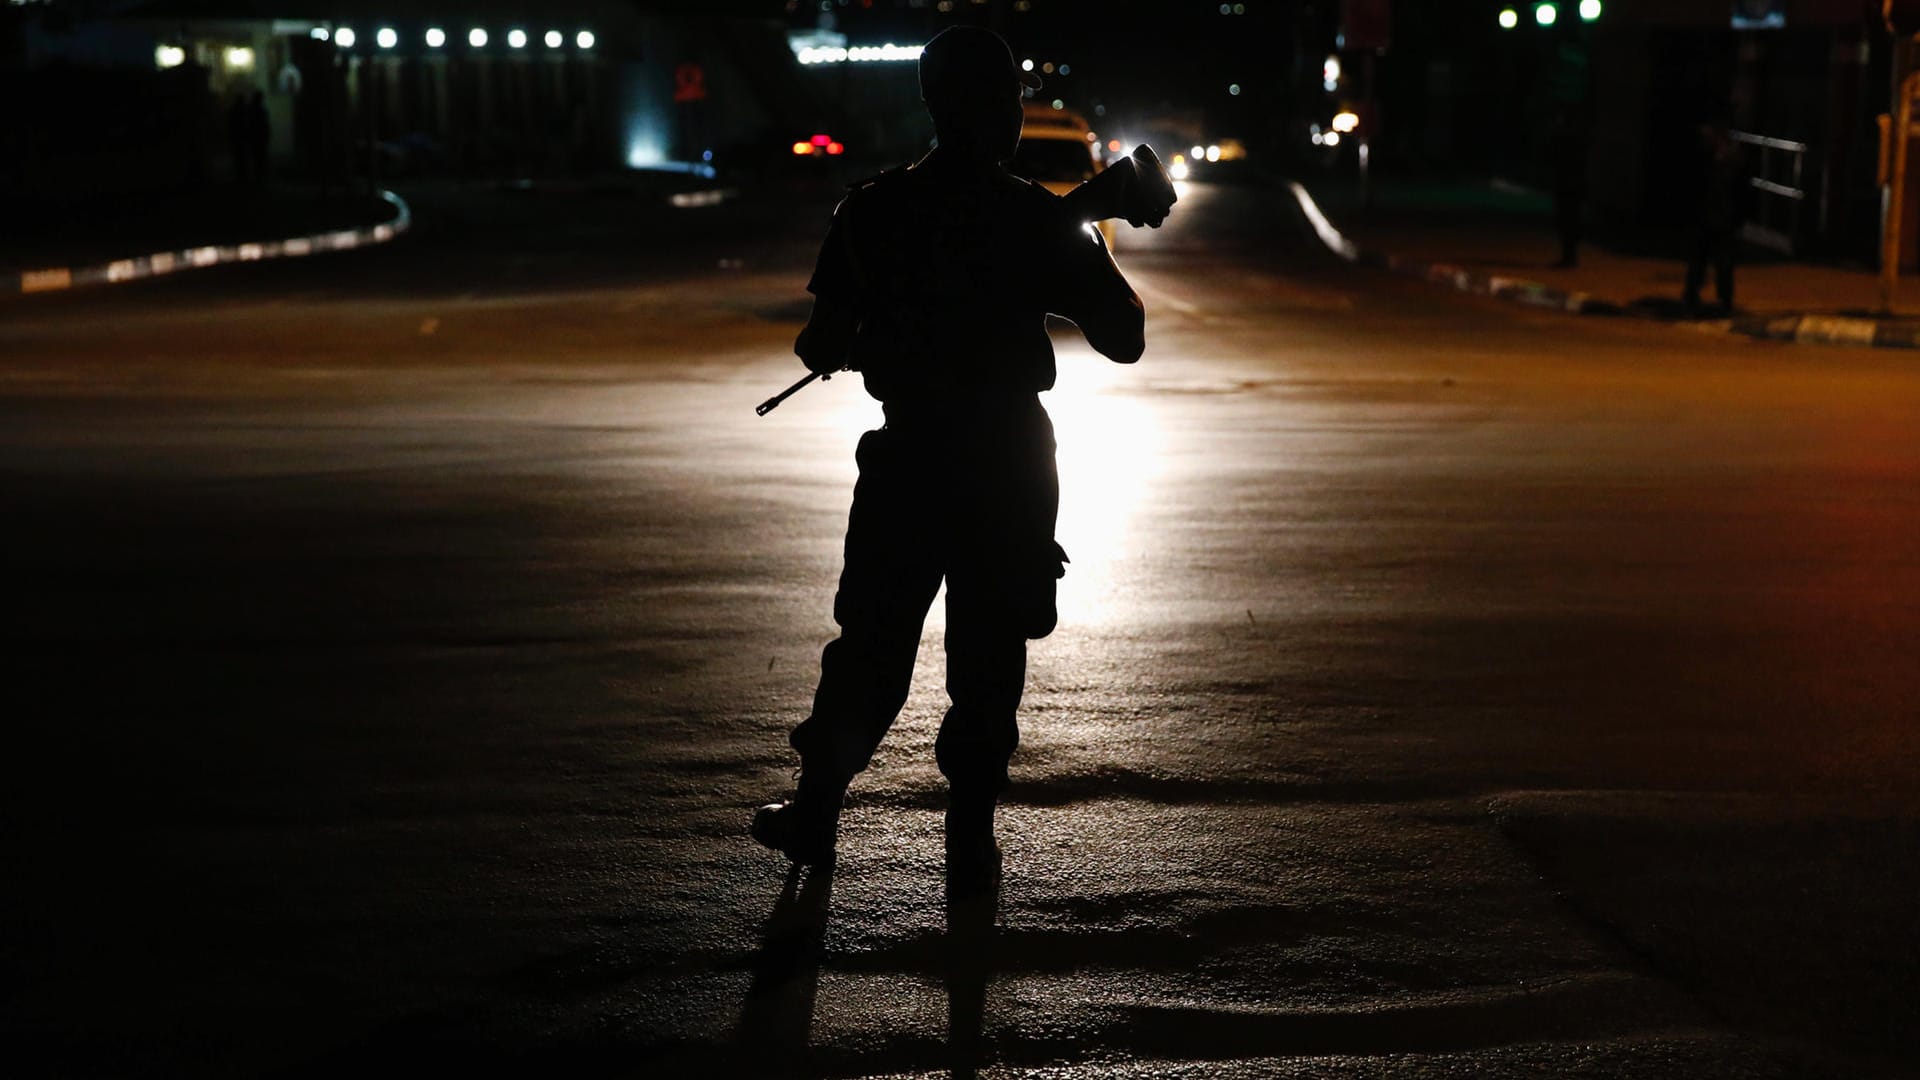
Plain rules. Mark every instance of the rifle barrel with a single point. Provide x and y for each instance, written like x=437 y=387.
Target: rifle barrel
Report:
x=773 y=402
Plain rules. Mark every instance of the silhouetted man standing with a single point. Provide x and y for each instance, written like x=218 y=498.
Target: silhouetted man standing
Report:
x=934 y=283
x=1722 y=195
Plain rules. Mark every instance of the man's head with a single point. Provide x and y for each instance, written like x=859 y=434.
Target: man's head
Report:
x=972 y=90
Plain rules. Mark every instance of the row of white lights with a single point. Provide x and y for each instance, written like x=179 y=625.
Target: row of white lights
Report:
x=860 y=54
x=1548 y=14
x=386 y=37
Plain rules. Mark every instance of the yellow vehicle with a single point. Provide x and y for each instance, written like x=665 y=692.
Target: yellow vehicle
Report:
x=1057 y=151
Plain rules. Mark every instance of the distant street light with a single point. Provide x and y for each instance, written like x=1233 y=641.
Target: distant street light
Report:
x=436 y=37
x=1546 y=14
x=554 y=39
x=1509 y=18
x=345 y=37
x=517 y=39
x=584 y=39
x=477 y=38
x=1589 y=10
x=386 y=38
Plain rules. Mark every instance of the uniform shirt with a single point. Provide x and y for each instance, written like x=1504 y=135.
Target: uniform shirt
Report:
x=953 y=274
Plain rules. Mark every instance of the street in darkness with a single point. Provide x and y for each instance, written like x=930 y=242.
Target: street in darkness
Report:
x=398 y=645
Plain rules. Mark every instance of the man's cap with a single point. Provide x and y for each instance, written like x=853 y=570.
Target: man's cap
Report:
x=967 y=61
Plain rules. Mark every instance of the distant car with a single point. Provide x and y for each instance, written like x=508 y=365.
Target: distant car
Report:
x=818 y=146
x=1057 y=152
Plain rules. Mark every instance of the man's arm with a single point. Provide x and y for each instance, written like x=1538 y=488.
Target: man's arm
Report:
x=827 y=338
x=1096 y=297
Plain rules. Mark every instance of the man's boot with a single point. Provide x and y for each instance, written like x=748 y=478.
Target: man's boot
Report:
x=973 y=856
x=804 y=829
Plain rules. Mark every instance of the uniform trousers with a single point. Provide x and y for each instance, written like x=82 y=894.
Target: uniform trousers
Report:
x=968 y=496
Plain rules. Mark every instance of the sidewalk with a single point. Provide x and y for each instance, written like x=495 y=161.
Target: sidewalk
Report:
x=60 y=243
x=1499 y=240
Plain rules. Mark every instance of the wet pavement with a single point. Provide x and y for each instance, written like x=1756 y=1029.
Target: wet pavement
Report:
x=398 y=647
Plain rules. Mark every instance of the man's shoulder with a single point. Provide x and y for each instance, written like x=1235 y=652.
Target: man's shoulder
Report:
x=876 y=194
x=1029 y=190
x=879 y=185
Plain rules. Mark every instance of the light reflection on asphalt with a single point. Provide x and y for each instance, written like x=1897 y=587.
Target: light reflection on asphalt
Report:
x=1110 y=459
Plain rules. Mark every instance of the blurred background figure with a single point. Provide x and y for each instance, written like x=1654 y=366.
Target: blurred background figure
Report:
x=259 y=131
x=1572 y=136
x=239 y=134
x=1721 y=196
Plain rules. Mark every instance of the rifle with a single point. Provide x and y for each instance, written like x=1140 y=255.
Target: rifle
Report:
x=1137 y=189
x=773 y=402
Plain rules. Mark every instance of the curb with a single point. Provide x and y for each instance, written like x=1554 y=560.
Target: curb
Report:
x=1800 y=329
x=59 y=278
x=1518 y=290
x=1832 y=330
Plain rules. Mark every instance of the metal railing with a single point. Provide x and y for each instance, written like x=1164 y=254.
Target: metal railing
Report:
x=1782 y=191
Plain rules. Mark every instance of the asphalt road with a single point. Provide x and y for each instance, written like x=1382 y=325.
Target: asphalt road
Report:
x=398 y=642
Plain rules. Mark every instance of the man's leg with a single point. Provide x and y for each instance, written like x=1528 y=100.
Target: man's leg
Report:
x=1696 y=270
x=1000 y=594
x=986 y=675
x=891 y=574
x=1724 y=245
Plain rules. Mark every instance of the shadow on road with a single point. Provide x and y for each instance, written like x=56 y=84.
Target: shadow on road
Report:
x=970 y=945
x=776 y=1019
x=778 y=1012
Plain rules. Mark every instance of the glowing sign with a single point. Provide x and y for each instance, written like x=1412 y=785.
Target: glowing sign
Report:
x=861 y=54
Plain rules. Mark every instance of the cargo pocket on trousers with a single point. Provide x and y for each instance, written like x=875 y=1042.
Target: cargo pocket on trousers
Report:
x=1042 y=603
